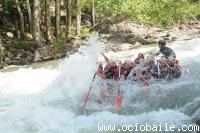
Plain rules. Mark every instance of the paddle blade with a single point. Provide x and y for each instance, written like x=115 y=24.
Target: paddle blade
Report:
x=119 y=102
x=87 y=97
x=146 y=84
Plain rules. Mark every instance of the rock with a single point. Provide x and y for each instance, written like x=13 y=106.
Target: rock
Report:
x=43 y=53
x=8 y=61
x=63 y=55
x=174 y=38
x=160 y=30
x=168 y=34
x=167 y=38
x=29 y=36
x=182 y=27
x=114 y=28
x=19 y=56
x=125 y=47
x=16 y=62
x=70 y=52
x=117 y=38
x=47 y=58
x=132 y=40
x=9 y=54
x=137 y=44
x=144 y=41
x=75 y=50
x=154 y=40
x=147 y=36
x=130 y=32
x=124 y=27
x=9 y=34
x=2 y=65
x=37 y=56
x=24 y=62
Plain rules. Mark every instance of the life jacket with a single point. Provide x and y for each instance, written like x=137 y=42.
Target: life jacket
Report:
x=177 y=68
x=116 y=72
x=137 y=61
x=128 y=70
x=166 y=51
x=164 y=71
x=112 y=73
x=175 y=72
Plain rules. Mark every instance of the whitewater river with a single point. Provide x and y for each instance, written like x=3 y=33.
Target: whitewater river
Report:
x=48 y=97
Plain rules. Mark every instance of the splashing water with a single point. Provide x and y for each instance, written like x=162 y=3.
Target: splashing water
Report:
x=51 y=100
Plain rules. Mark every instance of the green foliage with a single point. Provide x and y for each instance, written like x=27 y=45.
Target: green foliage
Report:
x=60 y=44
x=109 y=8
x=25 y=44
x=63 y=34
x=85 y=32
x=156 y=12
x=7 y=5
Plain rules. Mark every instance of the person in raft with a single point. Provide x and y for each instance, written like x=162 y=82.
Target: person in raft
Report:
x=169 y=56
x=111 y=70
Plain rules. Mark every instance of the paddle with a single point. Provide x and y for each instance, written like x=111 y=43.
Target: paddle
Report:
x=146 y=84
x=86 y=99
x=119 y=99
x=105 y=57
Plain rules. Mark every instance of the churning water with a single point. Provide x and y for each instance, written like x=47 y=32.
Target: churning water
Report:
x=51 y=100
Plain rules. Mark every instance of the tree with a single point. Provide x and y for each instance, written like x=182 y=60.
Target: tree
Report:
x=36 y=23
x=47 y=22
x=69 y=16
x=57 y=13
x=29 y=15
x=93 y=13
x=21 y=17
x=16 y=23
x=78 y=17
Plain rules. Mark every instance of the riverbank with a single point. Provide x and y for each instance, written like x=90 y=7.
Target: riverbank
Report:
x=13 y=52
x=128 y=35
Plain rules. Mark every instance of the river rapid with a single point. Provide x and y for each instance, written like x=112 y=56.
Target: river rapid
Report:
x=50 y=99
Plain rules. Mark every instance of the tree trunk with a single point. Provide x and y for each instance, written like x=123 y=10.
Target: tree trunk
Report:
x=47 y=22
x=57 y=13
x=16 y=27
x=29 y=15
x=36 y=23
x=21 y=17
x=93 y=14
x=1 y=52
x=68 y=21
x=78 y=18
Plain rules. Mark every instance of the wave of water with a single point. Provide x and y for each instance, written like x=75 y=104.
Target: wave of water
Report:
x=51 y=100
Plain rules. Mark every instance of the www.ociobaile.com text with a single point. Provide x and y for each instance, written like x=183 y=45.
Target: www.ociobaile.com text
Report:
x=148 y=127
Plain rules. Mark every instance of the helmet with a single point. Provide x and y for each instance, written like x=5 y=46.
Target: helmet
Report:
x=141 y=55
x=162 y=42
x=150 y=58
x=112 y=63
